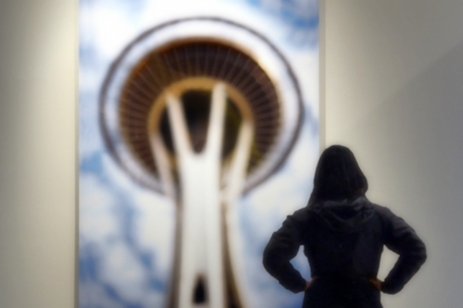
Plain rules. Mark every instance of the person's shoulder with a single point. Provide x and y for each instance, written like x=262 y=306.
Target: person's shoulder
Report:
x=382 y=211
x=301 y=215
x=380 y=208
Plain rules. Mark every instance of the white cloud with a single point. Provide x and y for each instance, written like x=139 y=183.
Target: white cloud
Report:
x=123 y=272
x=96 y=204
x=93 y=294
x=155 y=228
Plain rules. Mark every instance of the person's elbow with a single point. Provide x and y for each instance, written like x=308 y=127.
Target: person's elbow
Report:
x=421 y=254
x=268 y=260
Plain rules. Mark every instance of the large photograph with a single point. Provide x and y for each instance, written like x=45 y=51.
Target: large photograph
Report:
x=198 y=135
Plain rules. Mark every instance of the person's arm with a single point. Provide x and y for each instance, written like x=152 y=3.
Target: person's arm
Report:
x=282 y=247
x=403 y=240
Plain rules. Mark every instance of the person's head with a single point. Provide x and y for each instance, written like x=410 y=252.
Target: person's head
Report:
x=338 y=176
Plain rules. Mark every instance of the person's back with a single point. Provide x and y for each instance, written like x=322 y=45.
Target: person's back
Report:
x=343 y=235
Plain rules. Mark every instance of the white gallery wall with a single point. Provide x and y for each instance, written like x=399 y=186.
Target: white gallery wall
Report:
x=394 y=94
x=392 y=91
x=38 y=51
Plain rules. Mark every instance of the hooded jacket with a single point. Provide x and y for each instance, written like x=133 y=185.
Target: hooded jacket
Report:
x=343 y=241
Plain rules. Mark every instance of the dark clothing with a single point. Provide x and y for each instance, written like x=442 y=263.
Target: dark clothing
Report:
x=343 y=241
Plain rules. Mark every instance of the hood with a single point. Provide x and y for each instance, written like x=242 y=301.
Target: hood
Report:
x=347 y=215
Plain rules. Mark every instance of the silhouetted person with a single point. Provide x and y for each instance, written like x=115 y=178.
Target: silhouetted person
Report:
x=343 y=235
